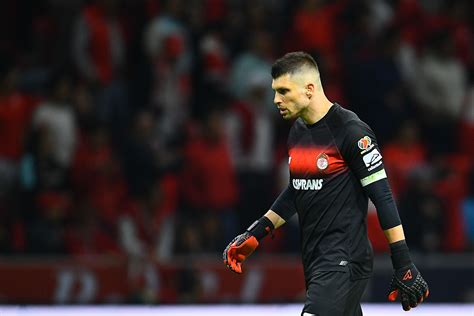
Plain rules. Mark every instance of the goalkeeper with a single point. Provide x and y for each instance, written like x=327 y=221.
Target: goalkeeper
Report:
x=335 y=166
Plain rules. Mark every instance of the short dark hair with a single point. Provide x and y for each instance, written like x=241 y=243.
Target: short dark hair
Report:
x=292 y=62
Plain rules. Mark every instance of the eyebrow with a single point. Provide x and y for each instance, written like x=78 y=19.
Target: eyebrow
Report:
x=281 y=89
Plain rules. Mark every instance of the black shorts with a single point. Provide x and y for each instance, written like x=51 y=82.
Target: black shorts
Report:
x=334 y=293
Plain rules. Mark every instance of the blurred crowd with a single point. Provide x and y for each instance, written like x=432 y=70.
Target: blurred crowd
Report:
x=146 y=128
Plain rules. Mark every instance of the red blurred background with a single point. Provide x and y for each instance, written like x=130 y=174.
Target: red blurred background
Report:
x=139 y=137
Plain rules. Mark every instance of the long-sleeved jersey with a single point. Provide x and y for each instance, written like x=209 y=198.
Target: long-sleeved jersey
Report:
x=335 y=165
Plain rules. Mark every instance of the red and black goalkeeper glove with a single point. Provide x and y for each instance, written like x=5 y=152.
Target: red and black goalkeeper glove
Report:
x=242 y=246
x=407 y=282
x=238 y=250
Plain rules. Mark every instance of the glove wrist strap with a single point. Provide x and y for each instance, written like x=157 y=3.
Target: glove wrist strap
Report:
x=261 y=227
x=400 y=254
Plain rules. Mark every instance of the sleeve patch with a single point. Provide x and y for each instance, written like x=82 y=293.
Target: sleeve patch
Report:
x=372 y=159
x=364 y=143
x=379 y=175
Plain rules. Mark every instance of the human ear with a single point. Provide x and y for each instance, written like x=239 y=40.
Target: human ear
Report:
x=309 y=90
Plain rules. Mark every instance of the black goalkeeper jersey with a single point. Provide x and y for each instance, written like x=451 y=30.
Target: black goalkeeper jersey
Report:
x=330 y=163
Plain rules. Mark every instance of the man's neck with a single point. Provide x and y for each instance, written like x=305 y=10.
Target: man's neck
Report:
x=316 y=110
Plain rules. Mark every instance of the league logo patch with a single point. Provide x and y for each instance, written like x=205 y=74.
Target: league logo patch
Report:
x=364 y=142
x=373 y=159
x=322 y=161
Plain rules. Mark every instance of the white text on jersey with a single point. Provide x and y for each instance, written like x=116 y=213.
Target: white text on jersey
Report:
x=307 y=184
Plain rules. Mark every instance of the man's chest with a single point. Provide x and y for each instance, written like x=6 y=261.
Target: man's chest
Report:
x=314 y=154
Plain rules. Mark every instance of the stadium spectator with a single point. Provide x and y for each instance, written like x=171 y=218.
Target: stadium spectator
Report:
x=404 y=154
x=146 y=231
x=451 y=186
x=466 y=128
x=354 y=50
x=98 y=45
x=215 y=60
x=146 y=223
x=440 y=91
x=422 y=211
x=167 y=47
x=84 y=109
x=208 y=182
x=87 y=235
x=55 y=115
x=255 y=62
x=16 y=108
x=251 y=136
x=97 y=177
x=140 y=162
x=376 y=82
x=315 y=24
x=46 y=231
x=40 y=169
x=468 y=213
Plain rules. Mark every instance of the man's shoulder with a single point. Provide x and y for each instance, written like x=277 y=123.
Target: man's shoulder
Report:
x=342 y=118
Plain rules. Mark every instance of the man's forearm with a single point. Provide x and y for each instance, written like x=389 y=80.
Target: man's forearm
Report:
x=394 y=234
x=276 y=219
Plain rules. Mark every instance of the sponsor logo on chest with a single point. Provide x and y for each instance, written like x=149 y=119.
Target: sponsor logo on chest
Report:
x=307 y=184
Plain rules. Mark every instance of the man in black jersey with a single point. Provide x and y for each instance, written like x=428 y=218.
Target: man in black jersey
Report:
x=335 y=166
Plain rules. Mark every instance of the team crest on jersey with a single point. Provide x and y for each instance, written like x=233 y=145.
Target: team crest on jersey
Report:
x=364 y=142
x=322 y=161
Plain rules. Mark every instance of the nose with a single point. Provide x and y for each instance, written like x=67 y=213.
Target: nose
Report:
x=277 y=100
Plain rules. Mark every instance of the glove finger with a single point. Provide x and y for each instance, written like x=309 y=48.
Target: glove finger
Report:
x=225 y=258
x=224 y=255
x=423 y=293
x=228 y=264
x=232 y=255
x=235 y=266
x=232 y=265
x=420 y=298
x=238 y=268
x=405 y=301
x=392 y=296
x=420 y=294
x=413 y=300
x=229 y=259
x=234 y=259
x=392 y=292
x=229 y=256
